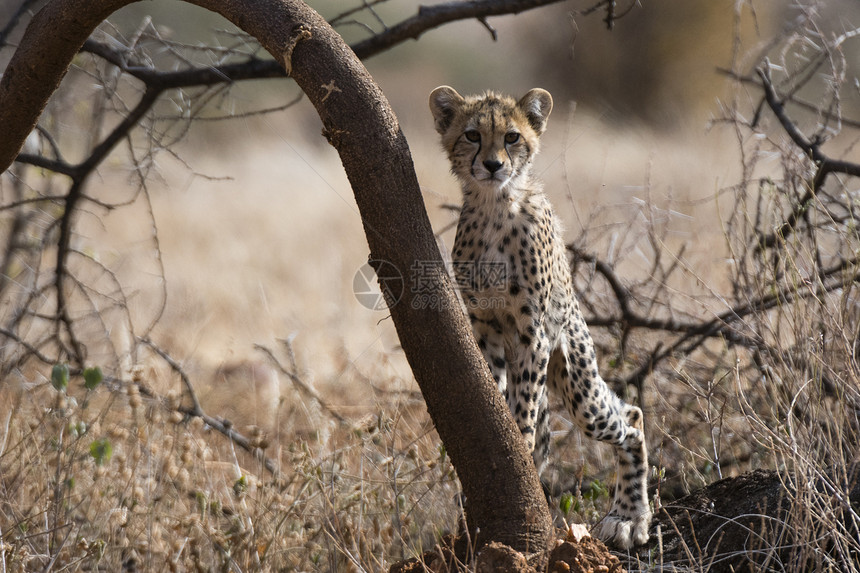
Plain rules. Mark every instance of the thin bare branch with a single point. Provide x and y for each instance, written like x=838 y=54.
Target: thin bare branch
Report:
x=812 y=148
x=22 y=9
x=430 y=17
x=301 y=384
x=794 y=100
x=196 y=409
x=224 y=427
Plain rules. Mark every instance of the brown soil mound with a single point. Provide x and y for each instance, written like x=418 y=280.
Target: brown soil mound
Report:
x=587 y=555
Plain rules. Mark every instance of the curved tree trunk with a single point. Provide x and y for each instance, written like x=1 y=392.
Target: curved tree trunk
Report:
x=496 y=472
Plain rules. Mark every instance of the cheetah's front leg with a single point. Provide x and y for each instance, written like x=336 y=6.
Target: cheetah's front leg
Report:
x=628 y=521
x=527 y=396
x=488 y=334
x=602 y=415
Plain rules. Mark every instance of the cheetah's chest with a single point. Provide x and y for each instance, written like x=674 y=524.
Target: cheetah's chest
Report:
x=481 y=264
x=506 y=252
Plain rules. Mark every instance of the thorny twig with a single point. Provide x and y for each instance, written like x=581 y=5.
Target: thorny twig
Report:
x=727 y=325
x=196 y=409
x=223 y=426
x=611 y=11
x=301 y=384
x=824 y=165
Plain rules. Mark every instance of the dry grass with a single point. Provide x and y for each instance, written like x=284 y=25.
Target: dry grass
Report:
x=174 y=496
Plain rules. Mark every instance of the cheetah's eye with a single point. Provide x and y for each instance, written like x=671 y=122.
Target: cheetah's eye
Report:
x=512 y=137
x=473 y=136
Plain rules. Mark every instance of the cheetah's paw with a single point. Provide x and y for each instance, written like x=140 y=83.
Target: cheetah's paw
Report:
x=624 y=532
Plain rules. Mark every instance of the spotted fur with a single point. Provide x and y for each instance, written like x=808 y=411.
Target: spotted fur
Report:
x=511 y=265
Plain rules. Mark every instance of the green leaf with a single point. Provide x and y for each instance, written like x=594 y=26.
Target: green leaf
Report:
x=101 y=451
x=202 y=501
x=599 y=489
x=92 y=377
x=596 y=491
x=240 y=486
x=565 y=502
x=60 y=377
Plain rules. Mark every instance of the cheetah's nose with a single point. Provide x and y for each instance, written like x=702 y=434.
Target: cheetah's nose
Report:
x=492 y=165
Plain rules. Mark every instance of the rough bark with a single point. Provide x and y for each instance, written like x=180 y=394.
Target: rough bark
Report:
x=497 y=474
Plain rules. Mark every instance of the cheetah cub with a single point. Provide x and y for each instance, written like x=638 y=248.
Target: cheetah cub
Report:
x=511 y=265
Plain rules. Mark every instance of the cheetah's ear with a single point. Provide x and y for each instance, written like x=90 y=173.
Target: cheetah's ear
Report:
x=445 y=102
x=537 y=104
